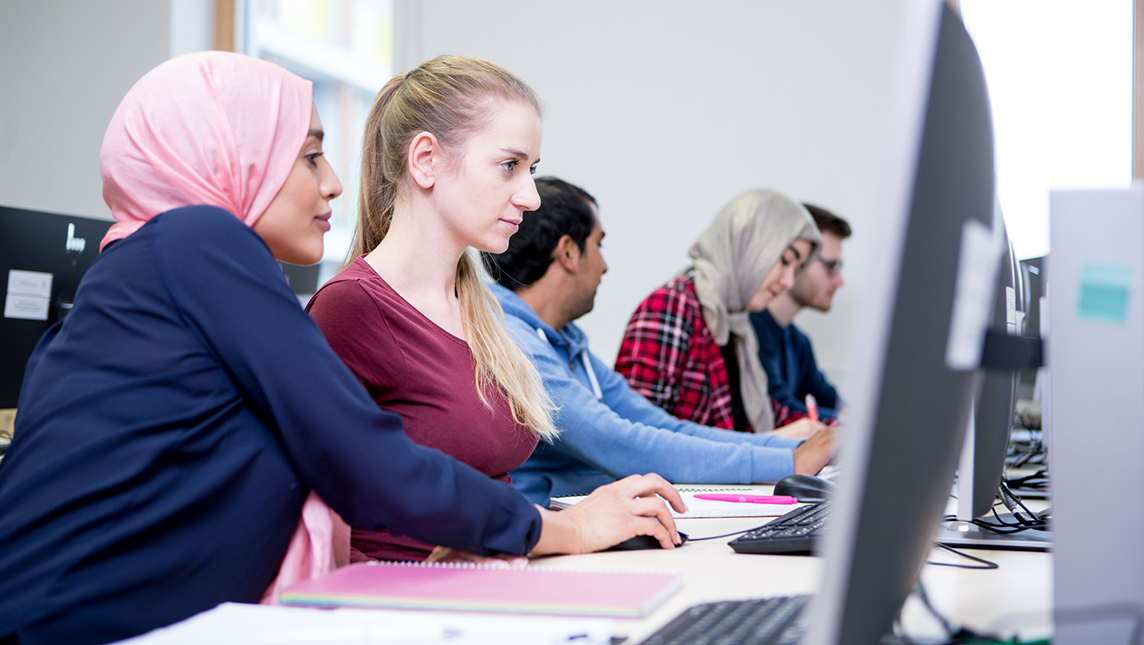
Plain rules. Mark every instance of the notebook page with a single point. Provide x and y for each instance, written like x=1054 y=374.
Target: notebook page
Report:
x=705 y=508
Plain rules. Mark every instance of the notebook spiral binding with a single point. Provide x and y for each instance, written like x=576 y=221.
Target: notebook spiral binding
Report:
x=530 y=569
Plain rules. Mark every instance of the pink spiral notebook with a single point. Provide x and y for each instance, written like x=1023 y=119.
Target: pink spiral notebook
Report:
x=466 y=587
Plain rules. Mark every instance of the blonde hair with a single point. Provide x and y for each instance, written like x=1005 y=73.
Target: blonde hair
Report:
x=448 y=97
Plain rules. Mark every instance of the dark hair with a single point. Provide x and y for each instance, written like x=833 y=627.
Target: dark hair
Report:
x=829 y=222
x=564 y=210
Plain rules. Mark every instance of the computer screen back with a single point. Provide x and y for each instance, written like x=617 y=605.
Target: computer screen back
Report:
x=1033 y=277
x=996 y=399
x=922 y=345
x=42 y=258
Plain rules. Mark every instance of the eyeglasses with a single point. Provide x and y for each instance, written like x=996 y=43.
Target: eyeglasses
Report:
x=833 y=267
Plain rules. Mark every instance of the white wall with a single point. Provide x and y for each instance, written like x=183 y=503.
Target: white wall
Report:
x=664 y=110
x=667 y=109
x=66 y=65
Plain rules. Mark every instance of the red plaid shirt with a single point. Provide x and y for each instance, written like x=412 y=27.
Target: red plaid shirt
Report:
x=669 y=356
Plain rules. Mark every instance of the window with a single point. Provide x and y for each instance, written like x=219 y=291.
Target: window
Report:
x=345 y=47
x=1060 y=81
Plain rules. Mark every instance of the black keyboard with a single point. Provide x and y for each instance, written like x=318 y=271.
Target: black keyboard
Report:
x=770 y=621
x=793 y=533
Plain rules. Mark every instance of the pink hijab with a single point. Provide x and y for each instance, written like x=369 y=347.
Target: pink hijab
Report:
x=217 y=129
x=209 y=128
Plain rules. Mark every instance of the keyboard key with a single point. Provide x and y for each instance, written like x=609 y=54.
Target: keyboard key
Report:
x=769 y=621
x=795 y=532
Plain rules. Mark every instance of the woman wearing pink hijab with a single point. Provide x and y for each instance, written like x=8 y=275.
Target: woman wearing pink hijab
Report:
x=173 y=425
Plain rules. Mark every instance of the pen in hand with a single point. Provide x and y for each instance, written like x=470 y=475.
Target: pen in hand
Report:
x=811 y=407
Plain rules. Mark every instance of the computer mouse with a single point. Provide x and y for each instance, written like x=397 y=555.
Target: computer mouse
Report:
x=641 y=542
x=805 y=488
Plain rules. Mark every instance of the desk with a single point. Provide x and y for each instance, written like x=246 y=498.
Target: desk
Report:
x=1013 y=600
x=1016 y=598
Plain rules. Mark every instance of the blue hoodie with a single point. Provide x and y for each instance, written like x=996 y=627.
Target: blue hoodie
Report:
x=608 y=431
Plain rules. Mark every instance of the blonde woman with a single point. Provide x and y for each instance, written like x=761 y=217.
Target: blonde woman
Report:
x=449 y=153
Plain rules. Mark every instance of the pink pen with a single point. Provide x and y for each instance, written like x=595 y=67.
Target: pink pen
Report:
x=749 y=499
x=811 y=407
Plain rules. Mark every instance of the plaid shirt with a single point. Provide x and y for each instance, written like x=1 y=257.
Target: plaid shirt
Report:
x=669 y=356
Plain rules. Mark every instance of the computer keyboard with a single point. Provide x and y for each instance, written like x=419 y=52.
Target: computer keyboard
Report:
x=795 y=532
x=769 y=621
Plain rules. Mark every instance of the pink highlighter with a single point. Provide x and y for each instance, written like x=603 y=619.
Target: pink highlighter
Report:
x=749 y=499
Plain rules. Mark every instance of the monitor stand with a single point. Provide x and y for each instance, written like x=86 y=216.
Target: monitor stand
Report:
x=968 y=536
x=961 y=533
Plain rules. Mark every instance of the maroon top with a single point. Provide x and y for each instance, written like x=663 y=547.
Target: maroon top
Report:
x=412 y=367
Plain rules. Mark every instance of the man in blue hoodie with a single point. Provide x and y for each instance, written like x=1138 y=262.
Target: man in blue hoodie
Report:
x=546 y=279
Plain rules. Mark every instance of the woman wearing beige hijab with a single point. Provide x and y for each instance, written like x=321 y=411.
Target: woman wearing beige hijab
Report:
x=689 y=346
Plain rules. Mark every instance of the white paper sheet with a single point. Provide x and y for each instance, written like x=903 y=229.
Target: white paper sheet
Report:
x=28 y=296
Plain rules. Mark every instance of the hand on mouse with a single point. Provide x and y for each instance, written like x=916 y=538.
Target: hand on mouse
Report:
x=612 y=514
x=817 y=451
x=801 y=429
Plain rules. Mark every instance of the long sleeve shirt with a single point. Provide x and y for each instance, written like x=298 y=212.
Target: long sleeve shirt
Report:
x=669 y=356
x=792 y=373
x=171 y=427
x=608 y=431
x=414 y=368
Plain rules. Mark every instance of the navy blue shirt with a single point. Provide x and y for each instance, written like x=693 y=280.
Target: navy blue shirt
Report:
x=170 y=429
x=788 y=359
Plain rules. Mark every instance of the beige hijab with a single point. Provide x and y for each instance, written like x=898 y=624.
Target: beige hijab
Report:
x=732 y=257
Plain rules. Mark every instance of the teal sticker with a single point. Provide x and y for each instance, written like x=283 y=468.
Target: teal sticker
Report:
x=1104 y=292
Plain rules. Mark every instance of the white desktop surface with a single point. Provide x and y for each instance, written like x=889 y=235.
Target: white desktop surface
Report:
x=1015 y=599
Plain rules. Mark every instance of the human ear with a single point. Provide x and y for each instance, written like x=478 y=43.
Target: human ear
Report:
x=423 y=151
x=567 y=253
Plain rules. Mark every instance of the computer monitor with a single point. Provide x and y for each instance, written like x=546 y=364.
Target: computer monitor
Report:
x=996 y=400
x=982 y=463
x=921 y=335
x=42 y=258
x=1033 y=276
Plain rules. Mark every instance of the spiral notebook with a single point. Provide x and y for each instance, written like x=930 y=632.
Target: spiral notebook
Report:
x=704 y=508
x=469 y=587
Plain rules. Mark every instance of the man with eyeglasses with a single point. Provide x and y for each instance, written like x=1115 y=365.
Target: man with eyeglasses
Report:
x=785 y=351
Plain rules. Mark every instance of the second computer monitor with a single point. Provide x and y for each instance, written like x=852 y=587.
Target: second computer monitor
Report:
x=42 y=258
x=996 y=399
x=920 y=345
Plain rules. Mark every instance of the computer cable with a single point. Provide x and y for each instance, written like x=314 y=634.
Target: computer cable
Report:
x=716 y=537
x=1038 y=481
x=1001 y=527
x=964 y=635
x=1034 y=456
x=983 y=563
x=1030 y=521
x=1011 y=501
x=958 y=636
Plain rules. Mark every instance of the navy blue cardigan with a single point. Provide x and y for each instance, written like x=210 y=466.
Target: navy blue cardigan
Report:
x=792 y=373
x=170 y=429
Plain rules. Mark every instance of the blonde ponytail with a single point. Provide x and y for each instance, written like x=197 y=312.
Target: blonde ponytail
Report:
x=447 y=97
